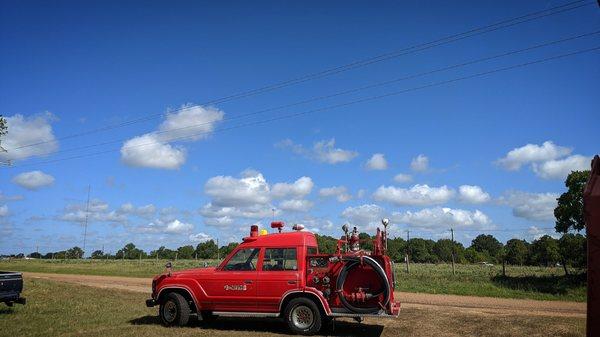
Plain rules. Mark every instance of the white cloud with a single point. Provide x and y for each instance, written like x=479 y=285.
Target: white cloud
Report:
x=403 y=178
x=535 y=233
x=418 y=195
x=142 y=211
x=442 y=218
x=420 y=163
x=200 y=237
x=190 y=123
x=178 y=227
x=33 y=180
x=472 y=194
x=532 y=153
x=367 y=214
x=3 y=211
x=25 y=131
x=160 y=227
x=4 y=197
x=296 y=205
x=377 y=162
x=560 y=169
x=339 y=192
x=148 y=151
x=323 y=151
x=300 y=188
x=153 y=150
x=531 y=206
x=227 y=214
x=228 y=191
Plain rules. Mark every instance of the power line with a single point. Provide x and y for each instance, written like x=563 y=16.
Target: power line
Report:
x=506 y=23
x=340 y=105
x=345 y=92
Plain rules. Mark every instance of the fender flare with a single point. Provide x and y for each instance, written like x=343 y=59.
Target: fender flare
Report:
x=183 y=287
x=313 y=292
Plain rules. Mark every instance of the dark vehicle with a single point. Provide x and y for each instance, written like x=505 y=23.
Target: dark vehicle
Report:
x=11 y=285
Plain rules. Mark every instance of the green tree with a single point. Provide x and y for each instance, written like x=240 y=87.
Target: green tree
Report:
x=488 y=245
x=517 y=252
x=97 y=254
x=572 y=249
x=35 y=255
x=186 y=252
x=473 y=256
x=366 y=241
x=207 y=250
x=130 y=252
x=544 y=251
x=163 y=253
x=327 y=244
x=569 y=211
x=75 y=253
x=421 y=250
x=443 y=249
x=225 y=250
x=396 y=249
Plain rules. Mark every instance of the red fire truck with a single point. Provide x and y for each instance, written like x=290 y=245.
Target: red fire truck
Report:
x=283 y=275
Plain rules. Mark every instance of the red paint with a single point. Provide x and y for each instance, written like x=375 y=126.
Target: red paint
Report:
x=591 y=207
x=264 y=288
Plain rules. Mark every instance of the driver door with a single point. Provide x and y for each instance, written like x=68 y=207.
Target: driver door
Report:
x=233 y=286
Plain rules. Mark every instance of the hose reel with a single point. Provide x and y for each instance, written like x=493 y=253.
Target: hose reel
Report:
x=351 y=263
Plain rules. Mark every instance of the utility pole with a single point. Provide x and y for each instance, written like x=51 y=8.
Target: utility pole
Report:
x=406 y=256
x=218 y=257
x=452 y=233
x=87 y=214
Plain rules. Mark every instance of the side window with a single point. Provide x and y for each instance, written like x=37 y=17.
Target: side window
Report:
x=312 y=251
x=243 y=260
x=280 y=259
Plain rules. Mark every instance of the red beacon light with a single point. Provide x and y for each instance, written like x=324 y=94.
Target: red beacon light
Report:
x=277 y=224
x=298 y=227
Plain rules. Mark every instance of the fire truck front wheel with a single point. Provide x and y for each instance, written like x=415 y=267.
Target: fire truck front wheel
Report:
x=303 y=316
x=174 y=310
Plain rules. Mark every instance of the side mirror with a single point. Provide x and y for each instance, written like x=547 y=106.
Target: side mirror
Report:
x=169 y=267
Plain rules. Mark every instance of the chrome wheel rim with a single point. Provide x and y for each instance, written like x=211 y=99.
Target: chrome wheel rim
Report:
x=302 y=317
x=169 y=311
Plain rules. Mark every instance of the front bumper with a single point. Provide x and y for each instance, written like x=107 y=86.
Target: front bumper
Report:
x=151 y=303
x=13 y=299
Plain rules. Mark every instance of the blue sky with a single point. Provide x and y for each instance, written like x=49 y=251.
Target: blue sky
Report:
x=70 y=67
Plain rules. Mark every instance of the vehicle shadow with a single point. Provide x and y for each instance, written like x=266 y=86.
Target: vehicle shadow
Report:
x=556 y=284
x=6 y=311
x=272 y=325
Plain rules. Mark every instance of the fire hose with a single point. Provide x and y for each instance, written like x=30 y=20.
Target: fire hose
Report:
x=353 y=262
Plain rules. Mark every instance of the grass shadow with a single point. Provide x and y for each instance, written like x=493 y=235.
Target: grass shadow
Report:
x=6 y=311
x=555 y=284
x=272 y=325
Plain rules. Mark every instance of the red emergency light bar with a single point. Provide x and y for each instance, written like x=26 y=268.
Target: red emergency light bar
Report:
x=277 y=224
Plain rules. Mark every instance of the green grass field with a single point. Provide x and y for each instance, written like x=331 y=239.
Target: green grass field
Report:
x=63 y=309
x=520 y=282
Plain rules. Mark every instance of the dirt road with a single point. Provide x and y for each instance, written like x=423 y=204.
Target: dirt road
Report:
x=465 y=304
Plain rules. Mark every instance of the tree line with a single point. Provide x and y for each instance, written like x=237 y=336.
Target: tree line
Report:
x=569 y=249
x=546 y=251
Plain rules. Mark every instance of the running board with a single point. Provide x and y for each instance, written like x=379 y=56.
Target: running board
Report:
x=245 y=314
x=349 y=314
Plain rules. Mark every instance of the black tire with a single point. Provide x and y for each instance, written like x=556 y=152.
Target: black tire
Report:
x=174 y=310
x=303 y=316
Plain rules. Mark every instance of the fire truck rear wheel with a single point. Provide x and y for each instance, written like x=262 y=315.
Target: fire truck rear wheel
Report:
x=174 y=310
x=303 y=316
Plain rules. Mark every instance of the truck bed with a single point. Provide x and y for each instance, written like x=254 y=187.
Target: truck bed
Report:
x=11 y=286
